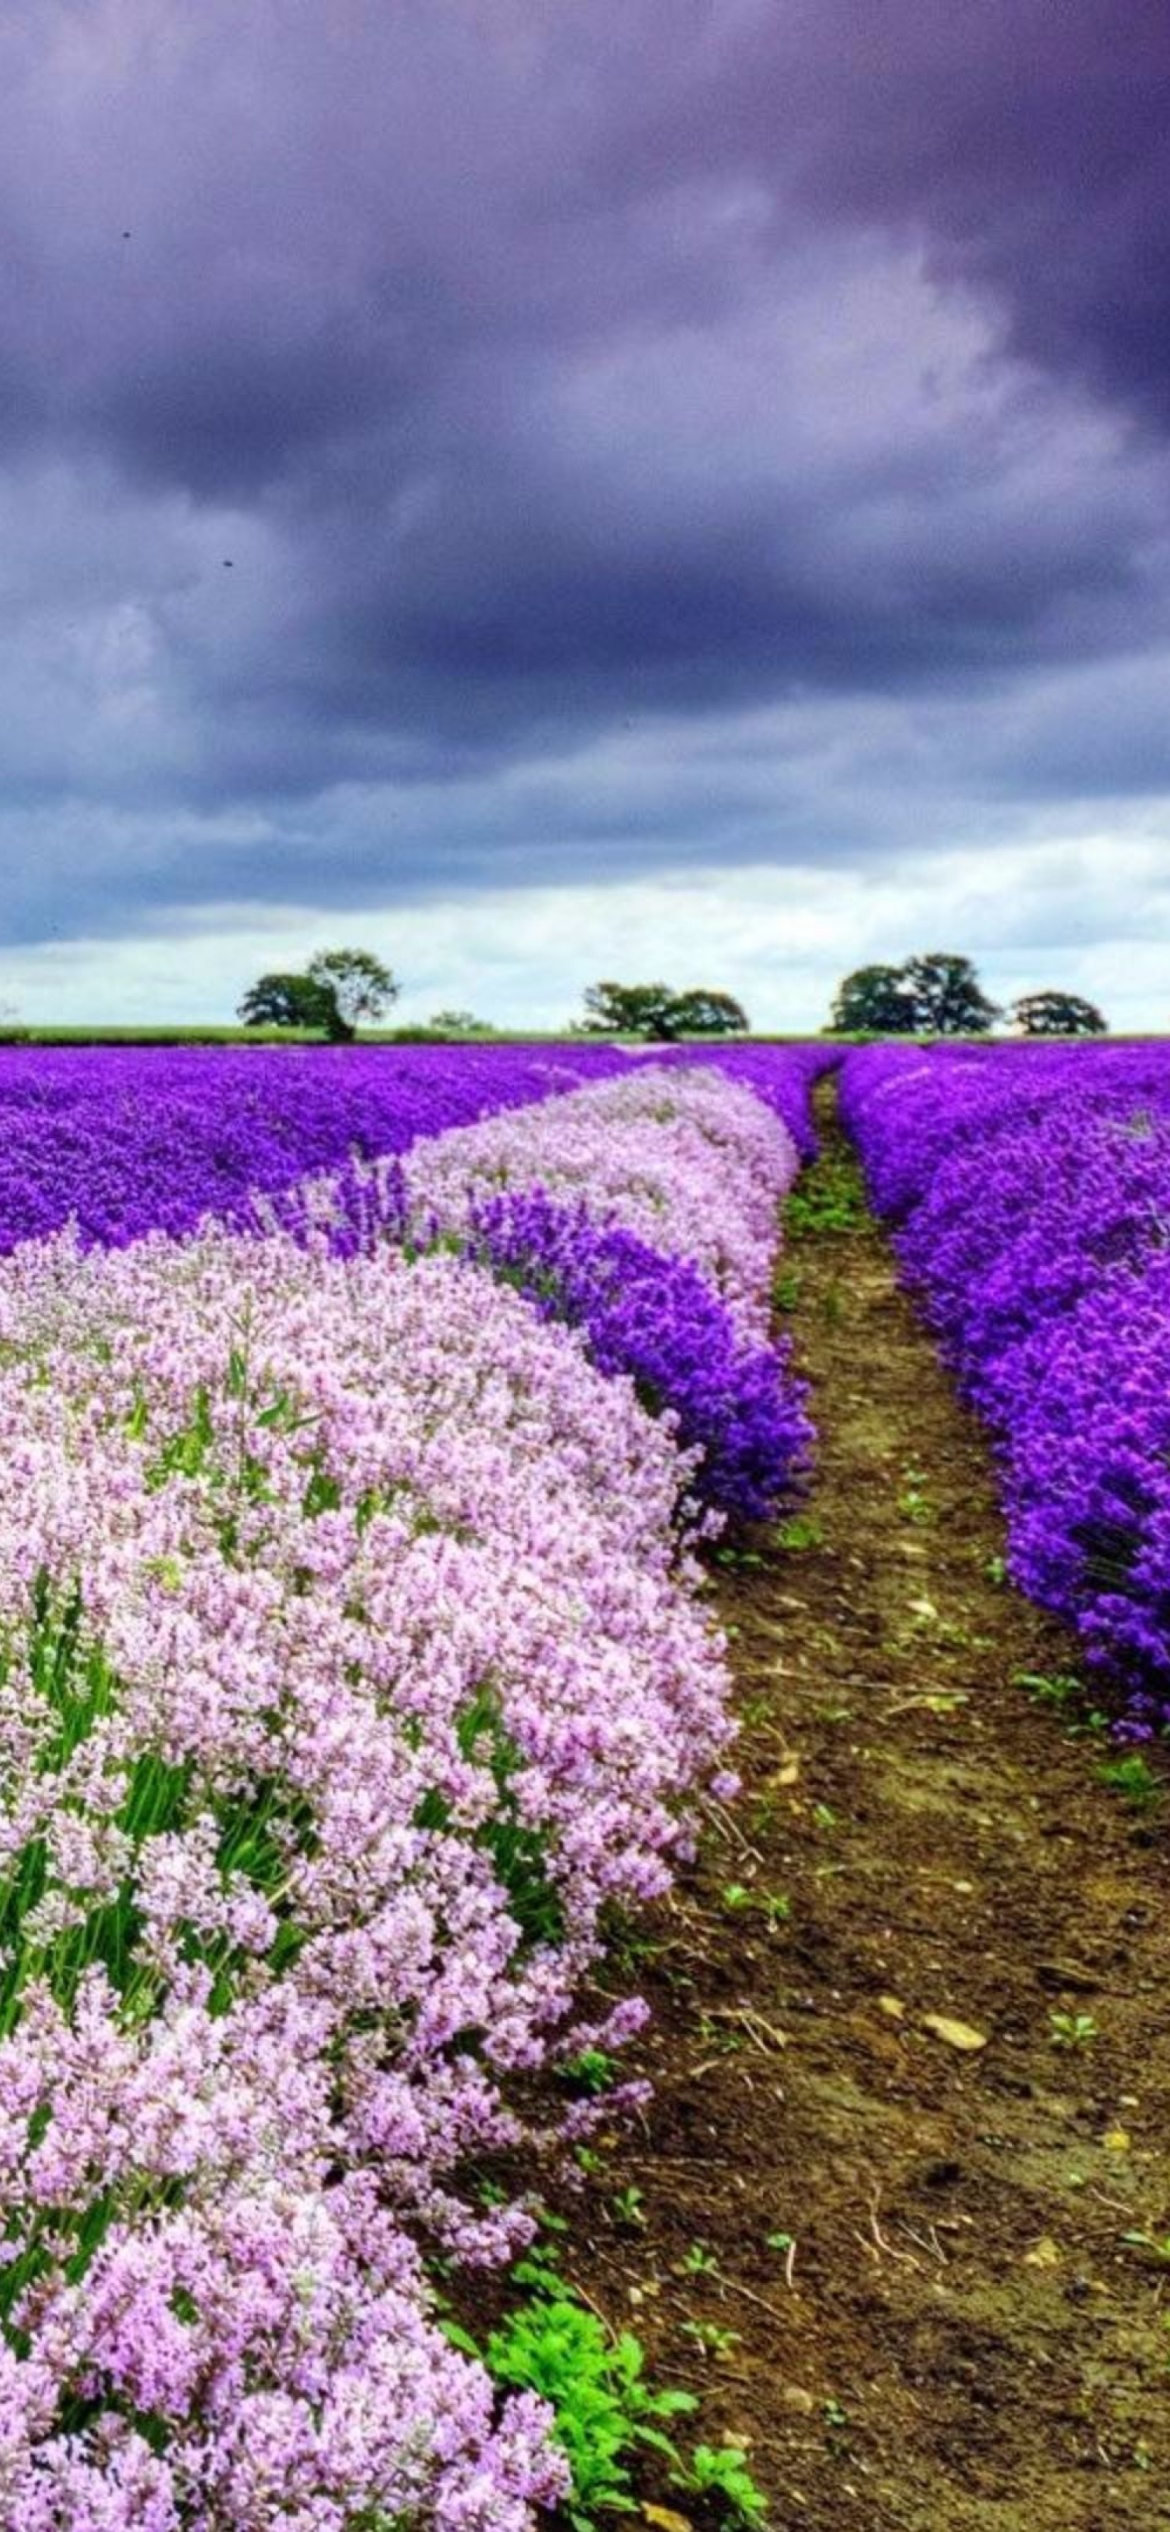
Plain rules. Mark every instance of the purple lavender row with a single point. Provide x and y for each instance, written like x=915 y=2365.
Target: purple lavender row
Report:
x=128 y=1140
x=738 y=1406
x=1032 y=1194
x=351 y=1675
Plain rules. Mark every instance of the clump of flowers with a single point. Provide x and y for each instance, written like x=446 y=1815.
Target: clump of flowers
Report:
x=349 y=1672
x=688 y=1160
x=644 y=1212
x=738 y=1406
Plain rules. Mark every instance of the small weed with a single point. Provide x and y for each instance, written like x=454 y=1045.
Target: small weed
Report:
x=782 y=2242
x=1133 y=1777
x=699 y=2261
x=834 y=2413
x=949 y=1633
x=595 y=2070
x=721 y=2471
x=1158 y=2245
x=825 y=1817
x=718 y=2037
x=711 y=2337
x=629 y=2208
x=1071 y=2030
x=786 y=1289
x=773 y=1905
x=1060 y=1689
x=912 y=1502
x=995 y=1570
x=594 y=2381
x=800 y=1531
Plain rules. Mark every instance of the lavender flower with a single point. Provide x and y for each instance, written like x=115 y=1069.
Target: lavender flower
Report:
x=1031 y=1187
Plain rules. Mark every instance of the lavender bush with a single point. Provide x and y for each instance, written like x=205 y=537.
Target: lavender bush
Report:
x=735 y=1404
x=1032 y=1192
x=782 y=1076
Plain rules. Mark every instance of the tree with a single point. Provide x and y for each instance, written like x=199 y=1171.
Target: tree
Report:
x=361 y=987
x=935 y=994
x=613 y=1010
x=873 y=1001
x=459 y=1024
x=657 y=1011
x=339 y=988
x=288 y=1002
x=702 y=1012
x=1054 y=1014
x=948 y=998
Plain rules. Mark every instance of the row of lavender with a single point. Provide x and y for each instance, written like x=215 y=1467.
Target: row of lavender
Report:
x=1031 y=1193
x=351 y=1672
x=604 y=1210
x=126 y=1140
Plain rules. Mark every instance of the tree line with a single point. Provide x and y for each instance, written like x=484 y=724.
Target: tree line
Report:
x=936 y=993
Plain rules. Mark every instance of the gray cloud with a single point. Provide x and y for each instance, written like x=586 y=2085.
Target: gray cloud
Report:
x=441 y=444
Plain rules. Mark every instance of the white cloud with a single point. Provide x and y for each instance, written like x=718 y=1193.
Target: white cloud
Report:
x=1089 y=912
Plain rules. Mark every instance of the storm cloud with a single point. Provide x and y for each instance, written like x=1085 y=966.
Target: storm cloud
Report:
x=452 y=448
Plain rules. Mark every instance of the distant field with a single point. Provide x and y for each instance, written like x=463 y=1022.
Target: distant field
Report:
x=204 y=1034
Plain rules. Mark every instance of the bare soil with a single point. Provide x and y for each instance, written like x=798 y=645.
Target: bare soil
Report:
x=950 y=2331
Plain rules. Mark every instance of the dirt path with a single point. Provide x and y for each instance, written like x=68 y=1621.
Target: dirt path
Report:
x=949 y=2331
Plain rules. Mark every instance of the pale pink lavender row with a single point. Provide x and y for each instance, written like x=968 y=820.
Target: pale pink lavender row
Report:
x=364 y=1679
x=782 y=1075
x=1031 y=1188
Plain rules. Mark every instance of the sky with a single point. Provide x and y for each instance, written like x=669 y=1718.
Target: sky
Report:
x=557 y=489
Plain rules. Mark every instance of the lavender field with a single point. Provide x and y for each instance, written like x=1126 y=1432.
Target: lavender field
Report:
x=375 y=1424
x=363 y=1424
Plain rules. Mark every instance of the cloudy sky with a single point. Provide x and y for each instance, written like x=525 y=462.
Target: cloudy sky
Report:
x=559 y=488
